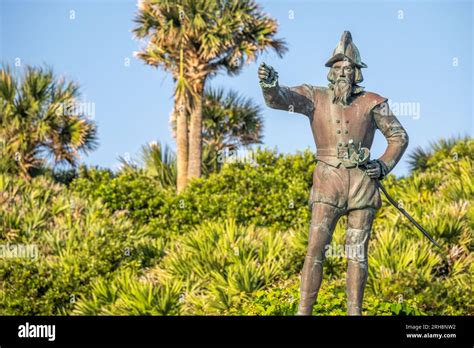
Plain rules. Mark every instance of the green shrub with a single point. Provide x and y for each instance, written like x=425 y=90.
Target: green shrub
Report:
x=274 y=193
x=282 y=299
x=127 y=294
x=232 y=243
x=77 y=241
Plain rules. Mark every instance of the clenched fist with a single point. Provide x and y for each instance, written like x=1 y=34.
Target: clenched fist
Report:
x=267 y=75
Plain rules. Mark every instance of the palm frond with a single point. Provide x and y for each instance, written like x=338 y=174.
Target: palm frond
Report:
x=35 y=122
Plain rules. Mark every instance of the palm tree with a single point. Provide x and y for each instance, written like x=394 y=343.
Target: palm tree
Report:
x=157 y=161
x=195 y=39
x=229 y=122
x=37 y=125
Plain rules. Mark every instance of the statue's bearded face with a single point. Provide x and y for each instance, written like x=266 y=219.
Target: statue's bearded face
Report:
x=343 y=74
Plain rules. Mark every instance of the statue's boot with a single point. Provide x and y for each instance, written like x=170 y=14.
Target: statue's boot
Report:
x=311 y=278
x=355 y=282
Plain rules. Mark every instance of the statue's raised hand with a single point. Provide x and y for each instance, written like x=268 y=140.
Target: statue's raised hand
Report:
x=267 y=75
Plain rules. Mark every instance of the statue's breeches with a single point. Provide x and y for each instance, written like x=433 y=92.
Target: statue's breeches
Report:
x=344 y=188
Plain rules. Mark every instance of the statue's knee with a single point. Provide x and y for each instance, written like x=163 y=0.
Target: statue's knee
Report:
x=356 y=247
x=320 y=229
x=315 y=260
x=357 y=236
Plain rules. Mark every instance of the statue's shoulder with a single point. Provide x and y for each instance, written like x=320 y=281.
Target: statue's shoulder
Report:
x=309 y=87
x=320 y=90
x=309 y=90
x=373 y=98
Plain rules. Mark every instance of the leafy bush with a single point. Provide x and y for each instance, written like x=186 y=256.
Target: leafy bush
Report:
x=282 y=300
x=126 y=294
x=218 y=265
x=273 y=193
x=232 y=243
x=77 y=241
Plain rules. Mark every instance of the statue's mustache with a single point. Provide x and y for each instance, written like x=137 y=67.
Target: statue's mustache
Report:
x=343 y=79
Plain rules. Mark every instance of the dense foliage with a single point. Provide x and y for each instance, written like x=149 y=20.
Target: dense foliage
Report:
x=42 y=122
x=233 y=243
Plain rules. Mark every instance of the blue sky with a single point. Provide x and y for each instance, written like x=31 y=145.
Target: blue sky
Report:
x=419 y=54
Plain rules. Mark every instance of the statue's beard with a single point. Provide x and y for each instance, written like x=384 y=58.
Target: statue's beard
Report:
x=342 y=91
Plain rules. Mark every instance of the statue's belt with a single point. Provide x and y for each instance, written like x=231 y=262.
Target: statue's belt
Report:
x=349 y=156
x=339 y=152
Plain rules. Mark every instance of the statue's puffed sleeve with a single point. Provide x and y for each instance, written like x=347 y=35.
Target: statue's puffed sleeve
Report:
x=393 y=131
x=298 y=99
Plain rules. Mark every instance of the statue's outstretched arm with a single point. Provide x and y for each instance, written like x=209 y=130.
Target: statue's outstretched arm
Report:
x=293 y=99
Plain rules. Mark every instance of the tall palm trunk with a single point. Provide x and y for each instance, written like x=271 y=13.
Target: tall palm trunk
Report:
x=195 y=133
x=182 y=140
x=181 y=143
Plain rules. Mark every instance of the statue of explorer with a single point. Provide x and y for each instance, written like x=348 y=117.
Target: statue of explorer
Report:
x=343 y=119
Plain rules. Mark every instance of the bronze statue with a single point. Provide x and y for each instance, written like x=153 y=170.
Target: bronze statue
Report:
x=343 y=119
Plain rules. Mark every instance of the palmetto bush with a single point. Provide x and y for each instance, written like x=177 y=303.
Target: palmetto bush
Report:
x=454 y=148
x=233 y=243
x=126 y=294
x=156 y=161
x=405 y=264
x=208 y=271
x=77 y=241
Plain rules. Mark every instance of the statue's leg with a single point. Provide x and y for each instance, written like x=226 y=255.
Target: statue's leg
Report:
x=323 y=221
x=359 y=224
